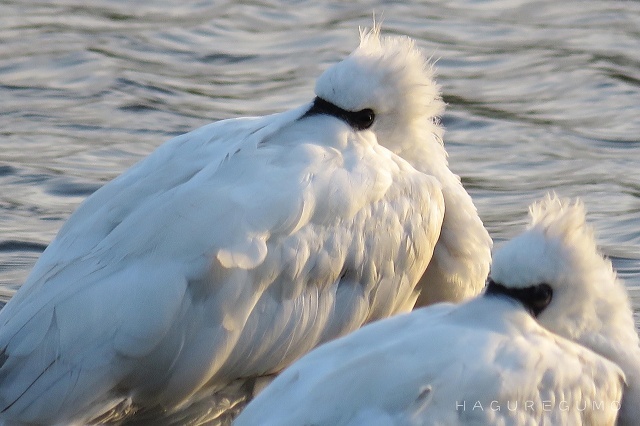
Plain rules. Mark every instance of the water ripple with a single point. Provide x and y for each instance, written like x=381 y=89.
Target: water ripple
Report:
x=542 y=95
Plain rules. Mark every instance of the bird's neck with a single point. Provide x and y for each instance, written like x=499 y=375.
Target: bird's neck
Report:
x=460 y=262
x=630 y=409
x=616 y=339
x=424 y=150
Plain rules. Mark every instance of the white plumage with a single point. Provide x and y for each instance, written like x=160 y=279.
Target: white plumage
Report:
x=486 y=361
x=232 y=250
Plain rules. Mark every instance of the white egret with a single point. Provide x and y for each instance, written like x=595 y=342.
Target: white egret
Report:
x=234 y=249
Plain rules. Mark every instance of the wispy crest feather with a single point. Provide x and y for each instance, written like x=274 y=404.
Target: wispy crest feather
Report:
x=373 y=33
x=564 y=219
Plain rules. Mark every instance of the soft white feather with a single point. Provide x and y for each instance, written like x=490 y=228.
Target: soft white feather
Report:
x=450 y=365
x=234 y=249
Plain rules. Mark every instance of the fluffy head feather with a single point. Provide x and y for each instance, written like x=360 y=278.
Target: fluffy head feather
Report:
x=392 y=77
x=559 y=248
x=554 y=247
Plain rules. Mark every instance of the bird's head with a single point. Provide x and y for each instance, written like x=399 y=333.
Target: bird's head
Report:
x=384 y=86
x=572 y=288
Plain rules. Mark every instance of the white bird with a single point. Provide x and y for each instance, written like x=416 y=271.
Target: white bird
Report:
x=487 y=361
x=233 y=250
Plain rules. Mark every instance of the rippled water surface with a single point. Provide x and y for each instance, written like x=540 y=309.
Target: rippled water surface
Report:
x=542 y=95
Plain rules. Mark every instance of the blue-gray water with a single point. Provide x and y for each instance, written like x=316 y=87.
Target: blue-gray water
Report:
x=542 y=95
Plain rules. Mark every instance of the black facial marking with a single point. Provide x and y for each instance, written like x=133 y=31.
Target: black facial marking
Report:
x=535 y=298
x=358 y=120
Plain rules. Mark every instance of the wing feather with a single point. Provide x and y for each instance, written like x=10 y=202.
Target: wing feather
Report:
x=213 y=250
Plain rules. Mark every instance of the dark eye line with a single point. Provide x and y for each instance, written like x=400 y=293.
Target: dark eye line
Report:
x=535 y=298
x=358 y=120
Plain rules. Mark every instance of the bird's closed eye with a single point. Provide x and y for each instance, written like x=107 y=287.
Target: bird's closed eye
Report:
x=363 y=119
